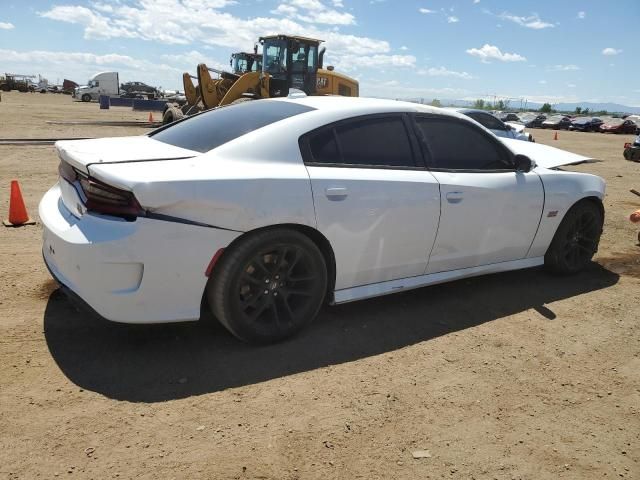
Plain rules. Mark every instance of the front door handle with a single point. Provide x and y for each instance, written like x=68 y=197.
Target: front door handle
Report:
x=455 y=197
x=336 y=193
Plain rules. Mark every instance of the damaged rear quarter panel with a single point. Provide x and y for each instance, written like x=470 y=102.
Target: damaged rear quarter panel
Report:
x=236 y=194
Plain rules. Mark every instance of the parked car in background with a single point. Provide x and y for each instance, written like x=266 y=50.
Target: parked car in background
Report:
x=298 y=201
x=138 y=89
x=618 y=125
x=532 y=120
x=509 y=117
x=585 y=124
x=557 y=122
x=494 y=124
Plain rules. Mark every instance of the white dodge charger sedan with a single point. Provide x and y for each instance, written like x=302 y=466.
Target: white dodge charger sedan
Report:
x=266 y=209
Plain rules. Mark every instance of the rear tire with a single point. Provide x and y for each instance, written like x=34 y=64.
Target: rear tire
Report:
x=268 y=286
x=576 y=240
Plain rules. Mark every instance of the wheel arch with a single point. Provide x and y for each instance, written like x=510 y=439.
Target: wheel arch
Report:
x=314 y=235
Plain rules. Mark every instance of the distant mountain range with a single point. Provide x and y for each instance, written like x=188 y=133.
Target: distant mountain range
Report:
x=563 y=107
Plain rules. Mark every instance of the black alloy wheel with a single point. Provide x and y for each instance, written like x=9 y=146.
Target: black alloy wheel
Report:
x=576 y=240
x=270 y=286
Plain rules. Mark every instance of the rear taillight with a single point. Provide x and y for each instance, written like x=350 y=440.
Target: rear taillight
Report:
x=103 y=198
x=67 y=172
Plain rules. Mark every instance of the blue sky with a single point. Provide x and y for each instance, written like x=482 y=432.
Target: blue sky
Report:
x=545 y=50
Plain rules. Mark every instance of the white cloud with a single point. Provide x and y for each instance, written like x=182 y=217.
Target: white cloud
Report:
x=404 y=48
x=490 y=52
x=426 y=10
x=571 y=85
x=452 y=19
x=201 y=22
x=581 y=15
x=190 y=59
x=611 y=51
x=79 y=66
x=314 y=11
x=563 y=68
x=532 y=21
x=350 y=62
x=542 y=82
x=444 y=72
x=476 y=1
x=6 y=26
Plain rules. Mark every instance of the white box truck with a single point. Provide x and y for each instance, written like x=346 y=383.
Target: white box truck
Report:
x=103 y=83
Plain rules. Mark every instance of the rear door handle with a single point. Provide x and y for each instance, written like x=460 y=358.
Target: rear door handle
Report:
x=455 y=197
x=336 y=193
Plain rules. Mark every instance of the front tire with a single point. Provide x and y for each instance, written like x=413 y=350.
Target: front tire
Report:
x=86 y=97
x=268 y=286
x=576 y=240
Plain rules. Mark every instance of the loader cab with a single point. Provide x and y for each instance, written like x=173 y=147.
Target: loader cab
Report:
x=243 y=62
x=291 y=62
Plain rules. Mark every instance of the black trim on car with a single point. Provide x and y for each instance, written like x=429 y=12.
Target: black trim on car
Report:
x=171 y=218
x=509 y=155
x=360 y=165
x=307 y=156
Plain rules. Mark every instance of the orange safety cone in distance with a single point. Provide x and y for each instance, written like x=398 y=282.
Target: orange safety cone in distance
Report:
x=18 y=215
x=150 y=117
x=555 y=137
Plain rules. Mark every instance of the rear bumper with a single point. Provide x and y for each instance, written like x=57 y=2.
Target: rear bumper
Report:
x=146 y=271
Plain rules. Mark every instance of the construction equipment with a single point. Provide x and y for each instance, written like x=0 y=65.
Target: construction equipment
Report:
x=240 y=62
x=14 y=81
x=288 y=62
x=243 y=62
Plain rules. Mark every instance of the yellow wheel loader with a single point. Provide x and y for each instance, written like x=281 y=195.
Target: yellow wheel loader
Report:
x=240 y=62
x=287 y=63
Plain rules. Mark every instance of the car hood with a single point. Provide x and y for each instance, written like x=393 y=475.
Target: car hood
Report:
x=83 y=153
x=544 y=155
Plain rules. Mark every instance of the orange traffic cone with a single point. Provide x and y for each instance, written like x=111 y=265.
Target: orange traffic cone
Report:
x=150 y=117
x=18 y=215
x=555 y=137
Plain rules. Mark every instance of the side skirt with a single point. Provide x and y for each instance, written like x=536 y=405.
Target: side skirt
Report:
x=393 y=286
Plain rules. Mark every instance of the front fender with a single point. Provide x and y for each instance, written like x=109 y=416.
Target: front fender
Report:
x=562 y=190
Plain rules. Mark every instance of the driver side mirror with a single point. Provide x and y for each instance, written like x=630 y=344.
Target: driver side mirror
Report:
x=523 y=163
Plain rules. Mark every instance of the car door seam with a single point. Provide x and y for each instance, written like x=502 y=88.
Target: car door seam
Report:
x=544 y=204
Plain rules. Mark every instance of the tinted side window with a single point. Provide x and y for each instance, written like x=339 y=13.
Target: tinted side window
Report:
x=323 y=147
x=375 y=141
x=487 y=121
x=455 y=145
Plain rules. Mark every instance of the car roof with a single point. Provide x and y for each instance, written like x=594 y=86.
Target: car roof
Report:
x=364 y=105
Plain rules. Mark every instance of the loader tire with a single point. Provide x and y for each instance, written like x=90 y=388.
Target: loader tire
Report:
x=172 y=114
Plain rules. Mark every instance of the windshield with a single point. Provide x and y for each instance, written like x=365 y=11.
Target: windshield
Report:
x=615 y=121
x=582 y=120
x=202 y=132
x=555 y=118
x=240 y=65
x=275 y=57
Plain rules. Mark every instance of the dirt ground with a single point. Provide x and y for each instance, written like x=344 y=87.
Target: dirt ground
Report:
x=519 y=375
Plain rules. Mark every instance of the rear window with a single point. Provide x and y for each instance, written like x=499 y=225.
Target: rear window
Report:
x=216 y=127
